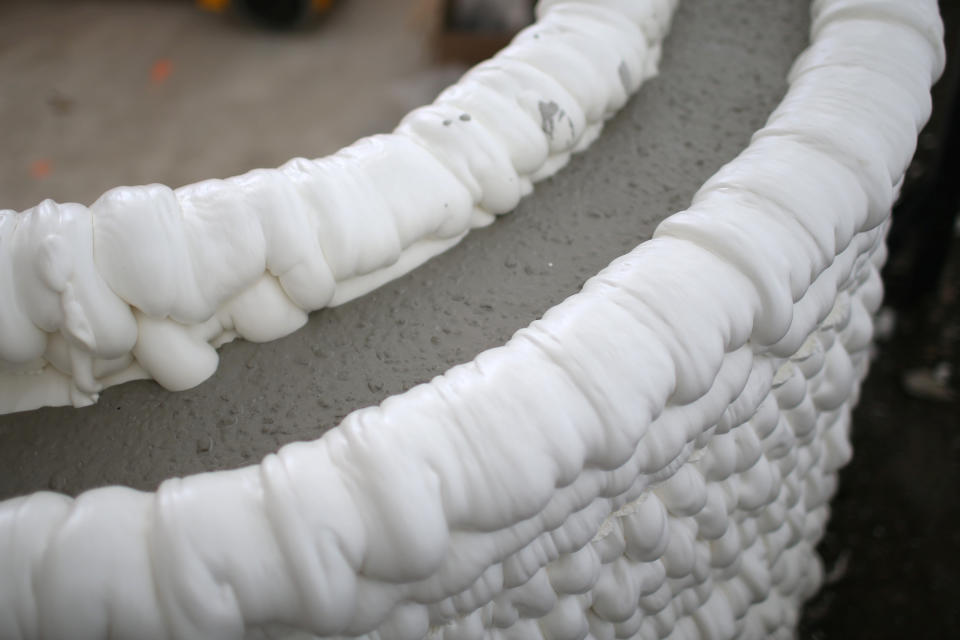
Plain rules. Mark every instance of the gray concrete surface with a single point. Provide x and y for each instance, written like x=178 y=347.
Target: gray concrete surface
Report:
x=723 y=71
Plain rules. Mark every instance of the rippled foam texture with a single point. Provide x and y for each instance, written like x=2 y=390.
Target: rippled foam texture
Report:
x=652 y=459
x=149 y=281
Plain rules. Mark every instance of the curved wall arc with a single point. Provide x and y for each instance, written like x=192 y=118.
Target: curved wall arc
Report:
x=148 y=281
x=653 y=457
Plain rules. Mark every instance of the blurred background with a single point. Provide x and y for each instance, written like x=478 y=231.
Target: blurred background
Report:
x=892 y=548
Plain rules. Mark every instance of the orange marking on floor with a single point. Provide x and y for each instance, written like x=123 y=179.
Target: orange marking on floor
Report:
x=161 y=70
x=40 y=168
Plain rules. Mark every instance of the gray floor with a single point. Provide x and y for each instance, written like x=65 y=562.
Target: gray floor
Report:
x=77 y=91
x=81 y=97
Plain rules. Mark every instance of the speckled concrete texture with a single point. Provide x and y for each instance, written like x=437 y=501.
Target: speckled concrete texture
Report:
x=722 y=73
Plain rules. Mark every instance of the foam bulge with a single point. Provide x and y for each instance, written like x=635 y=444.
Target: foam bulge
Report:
x=653 y=458
x=162 y=277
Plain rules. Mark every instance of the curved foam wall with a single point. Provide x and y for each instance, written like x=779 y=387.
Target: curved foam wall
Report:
x=148 y=281
x=651 y=459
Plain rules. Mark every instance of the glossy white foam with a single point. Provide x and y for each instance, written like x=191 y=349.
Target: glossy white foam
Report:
x=651 y=459
x=149 y=281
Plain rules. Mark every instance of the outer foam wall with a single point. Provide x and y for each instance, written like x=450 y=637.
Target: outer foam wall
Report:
x=654 y=458
x=149 y=281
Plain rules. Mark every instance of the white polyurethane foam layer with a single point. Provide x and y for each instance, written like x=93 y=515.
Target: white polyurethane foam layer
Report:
x=149 y=281
x=651 y=459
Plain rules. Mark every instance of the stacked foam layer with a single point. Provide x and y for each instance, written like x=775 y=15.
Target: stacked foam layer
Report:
x=652 y=459
x=148 y=281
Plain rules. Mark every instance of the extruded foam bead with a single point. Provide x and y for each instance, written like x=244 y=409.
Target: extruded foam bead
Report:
x=838 y=450
x=665 y=620
x=646 y=531
x=748 y=531
x=535 y=598
x=630 y=627
x=678 y=559
x=713 y=519
x=811 y=356
x=719 y=458
x=656 y=601
x=406 y=622
x=470 y=627
x=714 y=619
x=921 y=15
x=617 y=592
x=701 y=562
x=612 y=545
x=749 y=450
x=839 y=380
x=575 y=572
x=566 y=621
x=600 y=629
x=759 y=485
x=651 y=576
x=684 y=493
x=803 y=419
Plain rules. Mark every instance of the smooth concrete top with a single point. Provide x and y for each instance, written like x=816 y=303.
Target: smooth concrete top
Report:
x=722 y=72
